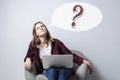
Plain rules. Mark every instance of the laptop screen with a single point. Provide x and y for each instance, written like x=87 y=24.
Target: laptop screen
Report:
x=58 y=61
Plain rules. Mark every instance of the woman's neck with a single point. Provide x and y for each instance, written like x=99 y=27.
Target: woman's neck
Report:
x=43 y=40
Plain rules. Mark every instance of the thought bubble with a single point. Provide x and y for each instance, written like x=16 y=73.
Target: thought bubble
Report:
x=76 y=16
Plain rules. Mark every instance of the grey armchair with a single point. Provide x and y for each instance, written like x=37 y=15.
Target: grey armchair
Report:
x=80 y=70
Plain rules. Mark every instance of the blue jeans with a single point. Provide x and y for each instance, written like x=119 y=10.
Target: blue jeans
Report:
x=58 y=73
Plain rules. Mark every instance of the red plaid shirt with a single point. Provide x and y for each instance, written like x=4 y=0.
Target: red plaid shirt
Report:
x=58 y=48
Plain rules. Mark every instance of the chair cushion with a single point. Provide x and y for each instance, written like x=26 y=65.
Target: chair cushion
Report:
x=42 y=77
x=73 y=77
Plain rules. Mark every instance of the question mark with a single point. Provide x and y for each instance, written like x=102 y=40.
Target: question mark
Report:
x=75 y=9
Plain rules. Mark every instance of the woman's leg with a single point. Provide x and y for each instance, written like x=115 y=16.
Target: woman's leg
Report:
x=51 y=73
x=64 y=73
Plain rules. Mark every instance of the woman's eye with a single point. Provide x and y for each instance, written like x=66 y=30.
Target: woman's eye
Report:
x=38 y=28
x=42 y=26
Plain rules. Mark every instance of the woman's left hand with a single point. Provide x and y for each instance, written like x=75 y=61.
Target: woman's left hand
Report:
x=89 y=65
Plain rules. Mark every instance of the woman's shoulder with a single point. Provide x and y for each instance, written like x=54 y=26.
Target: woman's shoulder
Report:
x=56 y=40
x=32 y=43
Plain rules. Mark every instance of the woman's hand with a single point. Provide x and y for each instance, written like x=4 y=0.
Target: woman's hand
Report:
x=28 y=64
x=89 y=65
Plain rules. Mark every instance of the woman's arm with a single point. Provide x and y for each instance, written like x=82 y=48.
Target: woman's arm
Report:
x=29 y=57
x=30 y=52
x=77 y=59
x=28 y=64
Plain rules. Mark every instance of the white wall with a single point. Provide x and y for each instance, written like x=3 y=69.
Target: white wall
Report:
x=100 y=45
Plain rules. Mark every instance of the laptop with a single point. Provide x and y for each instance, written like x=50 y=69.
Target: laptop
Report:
x=57 y=61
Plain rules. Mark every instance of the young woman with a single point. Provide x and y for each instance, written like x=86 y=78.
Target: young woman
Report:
x=43 y=44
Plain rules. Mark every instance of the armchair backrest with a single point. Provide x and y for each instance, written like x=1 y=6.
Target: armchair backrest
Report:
x=77 y=53
x=76 y=66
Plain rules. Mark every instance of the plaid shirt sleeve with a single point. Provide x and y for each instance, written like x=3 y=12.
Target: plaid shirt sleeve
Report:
x=65 y=50
x=30 y=52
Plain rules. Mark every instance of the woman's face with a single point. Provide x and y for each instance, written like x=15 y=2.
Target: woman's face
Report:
x=40 y=29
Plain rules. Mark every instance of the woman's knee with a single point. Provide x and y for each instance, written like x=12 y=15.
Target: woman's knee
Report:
x=51 y=70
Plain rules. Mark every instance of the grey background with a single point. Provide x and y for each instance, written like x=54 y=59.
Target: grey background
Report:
x=101 y=45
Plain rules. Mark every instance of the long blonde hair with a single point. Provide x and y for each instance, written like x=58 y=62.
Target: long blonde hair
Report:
x=36 y=40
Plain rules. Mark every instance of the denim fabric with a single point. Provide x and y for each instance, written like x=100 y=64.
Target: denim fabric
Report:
x=58 y=73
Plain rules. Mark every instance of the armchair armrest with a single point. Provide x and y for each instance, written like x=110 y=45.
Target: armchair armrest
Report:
x=82 y=71
x=30 y=75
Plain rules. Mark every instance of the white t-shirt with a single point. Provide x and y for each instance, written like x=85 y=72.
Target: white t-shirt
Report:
x=45 y=51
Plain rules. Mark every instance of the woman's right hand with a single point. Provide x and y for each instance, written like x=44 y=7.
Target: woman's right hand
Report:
x=28 y=64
